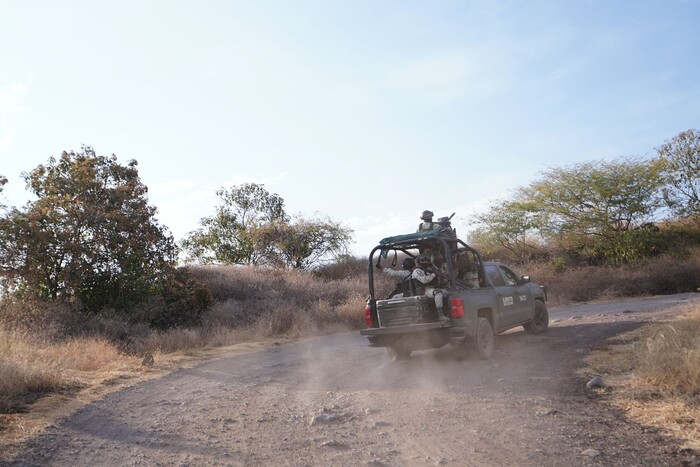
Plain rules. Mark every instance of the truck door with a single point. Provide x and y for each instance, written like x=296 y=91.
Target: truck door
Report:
x=524 y=305
x=505 y=297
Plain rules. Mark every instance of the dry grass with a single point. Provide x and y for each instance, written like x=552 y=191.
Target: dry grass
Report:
x=669 y=358
x=30 y=367
x=666 y=275
x=274 y=302
x=655 y=374
x=43 y=381
x=49 y=348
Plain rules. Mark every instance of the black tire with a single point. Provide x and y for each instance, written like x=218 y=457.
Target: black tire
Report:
x=540 y=322
x=483 y=342
x=398 y=352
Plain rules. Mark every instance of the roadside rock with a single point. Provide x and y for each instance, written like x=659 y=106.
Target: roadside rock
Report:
x=596 y=382
x=324 y=418
x=334 y=444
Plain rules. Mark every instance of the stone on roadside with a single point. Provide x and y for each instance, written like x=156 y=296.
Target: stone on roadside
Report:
x=596 y=382
x=324 y=418
x=334 y=444
x=591 y=452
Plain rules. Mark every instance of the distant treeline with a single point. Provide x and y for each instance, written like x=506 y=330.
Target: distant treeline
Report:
x=601 y=212
x=91 y=240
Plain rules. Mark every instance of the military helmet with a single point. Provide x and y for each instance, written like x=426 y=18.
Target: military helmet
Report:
x=422 y=259
x=408 y=264
x=427 y=216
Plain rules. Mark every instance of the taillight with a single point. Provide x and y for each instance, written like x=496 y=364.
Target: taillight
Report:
x=368 y=316
x=457 y=307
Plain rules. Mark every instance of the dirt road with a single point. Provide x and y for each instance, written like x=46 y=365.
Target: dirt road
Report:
x=334 y=401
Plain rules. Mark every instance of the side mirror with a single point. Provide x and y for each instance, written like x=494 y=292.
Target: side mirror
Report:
x=525 y=279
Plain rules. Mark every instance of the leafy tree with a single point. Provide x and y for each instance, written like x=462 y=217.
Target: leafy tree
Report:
x=507 y=225
x=599 y=199
x=680 y=161
x=305 y=244
x=225 y=237
x=587 y=212
x=251 y=227
x=3 y=182
x=264 y=239
x=251 y=203
x=89 y=237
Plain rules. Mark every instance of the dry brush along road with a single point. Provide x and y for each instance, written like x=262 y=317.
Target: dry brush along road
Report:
x=332 y=400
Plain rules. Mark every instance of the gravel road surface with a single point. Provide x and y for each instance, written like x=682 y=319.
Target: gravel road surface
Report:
x=333 y=400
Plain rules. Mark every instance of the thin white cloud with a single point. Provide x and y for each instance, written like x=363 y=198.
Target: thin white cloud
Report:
x=449 y=69
x=169 y=187
x=478 y=71
x=13 y=112
x=182 y=204
x=182 y=210
x=267 y=180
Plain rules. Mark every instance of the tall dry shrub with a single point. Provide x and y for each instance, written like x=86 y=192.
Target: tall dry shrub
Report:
x=665 y=275
x=58 y=322
x=344 y=267
x=274 y=301
x=30 y=366
x=20 y=375
x=669 y=358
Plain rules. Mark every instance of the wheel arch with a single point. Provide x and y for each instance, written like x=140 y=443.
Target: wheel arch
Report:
x=486 y=313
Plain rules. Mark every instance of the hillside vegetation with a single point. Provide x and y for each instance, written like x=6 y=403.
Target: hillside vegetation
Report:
x=46 y=348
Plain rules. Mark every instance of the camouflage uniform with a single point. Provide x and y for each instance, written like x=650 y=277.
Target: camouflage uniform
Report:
x=424 y=226
x=427 y=224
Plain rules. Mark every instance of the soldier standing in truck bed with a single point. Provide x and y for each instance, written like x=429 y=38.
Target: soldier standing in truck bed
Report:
x=428 y=224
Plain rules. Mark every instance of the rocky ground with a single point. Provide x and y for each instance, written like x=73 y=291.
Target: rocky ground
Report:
x=334 y=401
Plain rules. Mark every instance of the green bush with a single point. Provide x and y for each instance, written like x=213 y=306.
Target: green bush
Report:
x=180 y=301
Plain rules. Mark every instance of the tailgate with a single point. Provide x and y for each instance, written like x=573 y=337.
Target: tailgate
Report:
x=404 y=311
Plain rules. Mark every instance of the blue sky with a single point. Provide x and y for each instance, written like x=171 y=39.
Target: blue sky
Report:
x=366 y=111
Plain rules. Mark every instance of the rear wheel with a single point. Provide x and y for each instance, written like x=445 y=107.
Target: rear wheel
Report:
x=540 y=322
x=483 y=341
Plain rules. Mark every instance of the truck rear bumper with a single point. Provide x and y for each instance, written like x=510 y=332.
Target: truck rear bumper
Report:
x=408 y=329
x=415 y=336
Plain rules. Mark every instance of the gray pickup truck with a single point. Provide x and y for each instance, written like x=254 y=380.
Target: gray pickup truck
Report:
x=480 y=298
